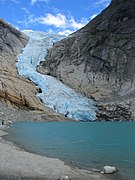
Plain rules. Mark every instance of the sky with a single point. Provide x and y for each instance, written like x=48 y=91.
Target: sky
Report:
x=58 y=16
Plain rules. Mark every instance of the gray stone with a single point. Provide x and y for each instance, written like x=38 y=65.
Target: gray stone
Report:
x=109 y=170
x=1 y=113
x=9 y=122
x=64 y=177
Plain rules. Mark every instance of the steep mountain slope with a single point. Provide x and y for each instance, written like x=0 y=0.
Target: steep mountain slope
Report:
x=17 y=91
x=99 y=60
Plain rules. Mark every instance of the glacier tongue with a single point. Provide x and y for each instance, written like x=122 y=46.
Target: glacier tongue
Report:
x=54 y=94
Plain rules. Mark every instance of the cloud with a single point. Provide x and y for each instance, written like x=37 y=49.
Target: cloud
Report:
x=34 y=1
x=30 y=20
x=57 y=20
x=74 y=24
x=93 y=16
x=104 y=3
x=61 y=21
x=25 y=10
x=65 y=32
x=65 y=25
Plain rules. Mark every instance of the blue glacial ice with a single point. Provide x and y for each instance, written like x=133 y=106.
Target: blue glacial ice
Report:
x=54 y=94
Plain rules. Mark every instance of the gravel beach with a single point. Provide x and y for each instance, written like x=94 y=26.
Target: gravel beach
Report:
x=17 y=164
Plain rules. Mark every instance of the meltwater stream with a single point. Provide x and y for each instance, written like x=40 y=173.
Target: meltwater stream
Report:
x=54 y=94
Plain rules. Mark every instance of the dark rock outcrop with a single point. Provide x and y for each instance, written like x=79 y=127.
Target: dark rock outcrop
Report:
x=99 y=60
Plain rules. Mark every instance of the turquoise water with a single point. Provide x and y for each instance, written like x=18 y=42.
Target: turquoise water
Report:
x=86 y=144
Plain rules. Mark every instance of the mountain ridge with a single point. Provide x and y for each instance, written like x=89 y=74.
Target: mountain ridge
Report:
x=98 y=61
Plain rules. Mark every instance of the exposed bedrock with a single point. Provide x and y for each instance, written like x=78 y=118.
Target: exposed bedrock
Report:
x=99 y=60
x=17 y=91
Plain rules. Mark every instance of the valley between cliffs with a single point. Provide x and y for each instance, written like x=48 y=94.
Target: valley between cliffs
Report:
x=29 y=95
x=96 y=61
x=18 y=101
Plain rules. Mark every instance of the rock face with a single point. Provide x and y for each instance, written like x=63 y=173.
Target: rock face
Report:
x=15 y=90
x=99 y=60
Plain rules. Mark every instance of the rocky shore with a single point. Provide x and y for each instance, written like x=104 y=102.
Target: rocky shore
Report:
x=8 y=113
x=16 y=164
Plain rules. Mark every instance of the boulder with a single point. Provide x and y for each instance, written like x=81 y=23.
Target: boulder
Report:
x=64 y=177
x=109 y=170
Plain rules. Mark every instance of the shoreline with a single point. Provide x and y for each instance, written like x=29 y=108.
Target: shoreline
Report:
x=16 y=164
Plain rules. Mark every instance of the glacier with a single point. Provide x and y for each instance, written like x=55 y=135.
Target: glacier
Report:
x=53 y=94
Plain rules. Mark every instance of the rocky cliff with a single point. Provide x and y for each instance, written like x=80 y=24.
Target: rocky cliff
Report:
x=99 y=61
x=16 y=91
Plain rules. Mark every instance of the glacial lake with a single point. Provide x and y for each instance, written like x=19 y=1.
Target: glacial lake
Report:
x=90 y=145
